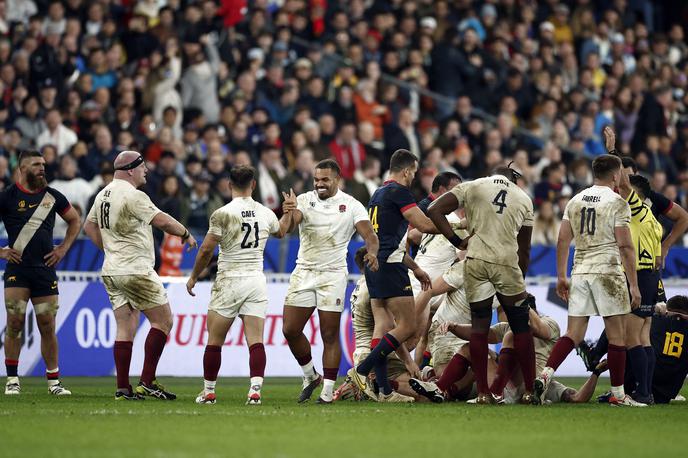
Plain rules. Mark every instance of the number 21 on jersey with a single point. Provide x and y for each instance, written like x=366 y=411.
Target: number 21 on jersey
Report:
x=372 y=214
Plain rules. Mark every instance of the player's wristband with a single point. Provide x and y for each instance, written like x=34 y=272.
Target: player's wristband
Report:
x=186 y=235
x=456 y=241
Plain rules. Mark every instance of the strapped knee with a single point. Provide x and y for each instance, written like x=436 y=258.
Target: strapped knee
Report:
x=16 y=306
x=517 y=315
x=50 y=307
x=14 y=333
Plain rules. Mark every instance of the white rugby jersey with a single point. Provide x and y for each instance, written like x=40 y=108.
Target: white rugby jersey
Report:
x=243 y=227
x=435 y=252
x=496 y=209
x=326 y=229
x=123 y=214
x=593 y=214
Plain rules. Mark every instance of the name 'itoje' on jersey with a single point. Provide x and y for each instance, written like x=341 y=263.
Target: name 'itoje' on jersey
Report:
x=243 y=227
x=594 y=214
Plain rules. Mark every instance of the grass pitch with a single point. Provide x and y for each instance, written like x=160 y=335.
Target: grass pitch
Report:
x=91 y=424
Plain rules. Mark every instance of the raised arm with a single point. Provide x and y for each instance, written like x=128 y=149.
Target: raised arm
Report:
x=437 y=212
x=538 y=326
x=291 y=215
x=205 y=254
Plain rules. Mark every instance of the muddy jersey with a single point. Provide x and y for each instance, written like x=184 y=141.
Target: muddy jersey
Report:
x=124 y=215
x=243 y=227
x=543 y=347
x=435 y=252
x=496 y=209
x=594 y=213
x=362 y=315
x=326 y=229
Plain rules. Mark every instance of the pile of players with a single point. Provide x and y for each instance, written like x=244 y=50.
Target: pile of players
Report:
x=472 y=246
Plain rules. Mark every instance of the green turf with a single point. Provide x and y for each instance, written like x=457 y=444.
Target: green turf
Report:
x=91 y=423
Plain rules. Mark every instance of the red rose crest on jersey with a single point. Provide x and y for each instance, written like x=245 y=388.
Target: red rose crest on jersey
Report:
x=342 y=208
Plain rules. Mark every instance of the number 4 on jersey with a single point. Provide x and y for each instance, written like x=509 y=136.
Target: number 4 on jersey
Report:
x=372 y=214
x=500 y=201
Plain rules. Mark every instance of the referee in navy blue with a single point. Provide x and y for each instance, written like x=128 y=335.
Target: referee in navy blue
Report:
x=28 y=209
x=391 y=208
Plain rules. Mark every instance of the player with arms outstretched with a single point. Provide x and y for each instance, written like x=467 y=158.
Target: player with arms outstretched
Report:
x=241 y=228
x=120 y=223
x=597 y=220
x=28 y=210
x=326 y=218
x=500 y=217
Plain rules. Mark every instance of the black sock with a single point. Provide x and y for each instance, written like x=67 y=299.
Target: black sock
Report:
x=11 y=366
x=381 y=376
x=600 y=348
x=638 y=359
x=386 y=346
x=651 y=360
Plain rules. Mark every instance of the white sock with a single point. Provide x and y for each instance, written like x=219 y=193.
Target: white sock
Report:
x=308 y=370
x=209 y=385
x=55 y=381
x=256 y=381
x=618 y=392
x=547 y=373
x=327 y=390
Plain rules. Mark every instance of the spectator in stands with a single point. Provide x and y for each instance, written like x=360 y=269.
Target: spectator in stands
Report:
x=74 y=188
x=56 y=133
x=546 y=225
x=199 y=204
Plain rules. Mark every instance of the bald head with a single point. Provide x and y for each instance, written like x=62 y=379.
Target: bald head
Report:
x=125 y=157
x=130 y=166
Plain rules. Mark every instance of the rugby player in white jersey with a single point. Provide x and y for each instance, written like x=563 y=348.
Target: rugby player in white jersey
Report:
x=241 y=228
x=327 y=218
x=500 y=219
x=597 y=220
x=120 y=223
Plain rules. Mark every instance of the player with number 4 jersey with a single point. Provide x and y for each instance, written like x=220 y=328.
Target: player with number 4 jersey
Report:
x=241 y=229
x=597 y=220
x=500 y=219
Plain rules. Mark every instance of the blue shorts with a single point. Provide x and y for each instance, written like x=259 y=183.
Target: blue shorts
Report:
x=391 y=280
x=651 y=292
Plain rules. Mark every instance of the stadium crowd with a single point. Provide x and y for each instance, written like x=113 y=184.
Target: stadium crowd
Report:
x=200 y=86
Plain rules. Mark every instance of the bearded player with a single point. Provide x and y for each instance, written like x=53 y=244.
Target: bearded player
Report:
x=28 y=210
x=241 y=228
x=327 y=218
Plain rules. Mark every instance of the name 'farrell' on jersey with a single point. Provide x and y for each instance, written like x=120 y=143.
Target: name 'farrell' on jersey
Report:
x=326 y=229
x=243 y=227
x=496 y=209
x=593 y=214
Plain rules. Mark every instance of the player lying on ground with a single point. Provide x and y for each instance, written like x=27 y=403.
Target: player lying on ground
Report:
x=500 y=219
x=327 y=218
x=670 y=348
x=119 y=223
x=597 y=219
x=241 y=228
x=392 y=207
x=544 y=329
x=28 y=209
x=400 y=365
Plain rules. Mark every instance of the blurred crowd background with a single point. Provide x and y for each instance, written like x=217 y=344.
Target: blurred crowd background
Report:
x=199 y=86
